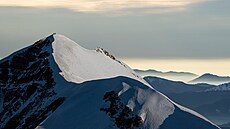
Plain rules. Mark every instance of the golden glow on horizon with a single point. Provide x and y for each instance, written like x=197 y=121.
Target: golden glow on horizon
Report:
x=101 y=5
x=197 y=66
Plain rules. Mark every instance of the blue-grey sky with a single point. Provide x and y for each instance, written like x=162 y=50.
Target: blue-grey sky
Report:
x=191 y=29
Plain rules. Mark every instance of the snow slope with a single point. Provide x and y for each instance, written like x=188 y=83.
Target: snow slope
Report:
x=82 y=110
x=56 y=84
x=77 y=63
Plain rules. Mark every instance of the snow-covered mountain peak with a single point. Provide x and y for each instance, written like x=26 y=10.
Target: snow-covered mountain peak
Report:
x=56 y=84
x=79 y=64
x=61 y=39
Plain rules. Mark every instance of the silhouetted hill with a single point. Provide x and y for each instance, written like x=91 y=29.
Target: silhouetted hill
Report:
x=171 y=75
x=211 y=79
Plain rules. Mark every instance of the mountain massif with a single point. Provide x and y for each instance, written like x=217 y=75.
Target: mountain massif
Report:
x=57 y=84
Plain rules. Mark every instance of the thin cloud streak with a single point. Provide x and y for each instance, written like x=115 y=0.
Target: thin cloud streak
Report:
x=104 y=6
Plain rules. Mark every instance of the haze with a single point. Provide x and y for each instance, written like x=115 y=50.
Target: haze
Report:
x=191 y=32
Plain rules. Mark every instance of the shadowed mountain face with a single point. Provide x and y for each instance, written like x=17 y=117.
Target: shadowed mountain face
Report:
x=171 y=75
x=209 y=100
x=27 y=86
x=226 y=126
x=211 y=79
x=217 y=108
x=57 y=84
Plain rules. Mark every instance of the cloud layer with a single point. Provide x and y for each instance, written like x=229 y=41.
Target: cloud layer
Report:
x=104 y=6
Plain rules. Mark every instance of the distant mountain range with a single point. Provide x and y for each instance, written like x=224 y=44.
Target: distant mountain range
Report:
x=172 y=75
x=186 y=77
x=211 y=79
x=210 y=100
x=222 y=87
x=169 y=86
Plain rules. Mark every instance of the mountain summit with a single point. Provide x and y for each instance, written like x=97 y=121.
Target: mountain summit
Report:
x=57 y=84
x=79 y=64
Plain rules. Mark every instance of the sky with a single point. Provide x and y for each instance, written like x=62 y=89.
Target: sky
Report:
x=181 y=35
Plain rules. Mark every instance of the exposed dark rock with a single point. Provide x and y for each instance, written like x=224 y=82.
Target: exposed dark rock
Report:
x=36 y=118
x=121 y=114
x=5 y=64
x=44 y=55
x=19 y=62
x=27 y=83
